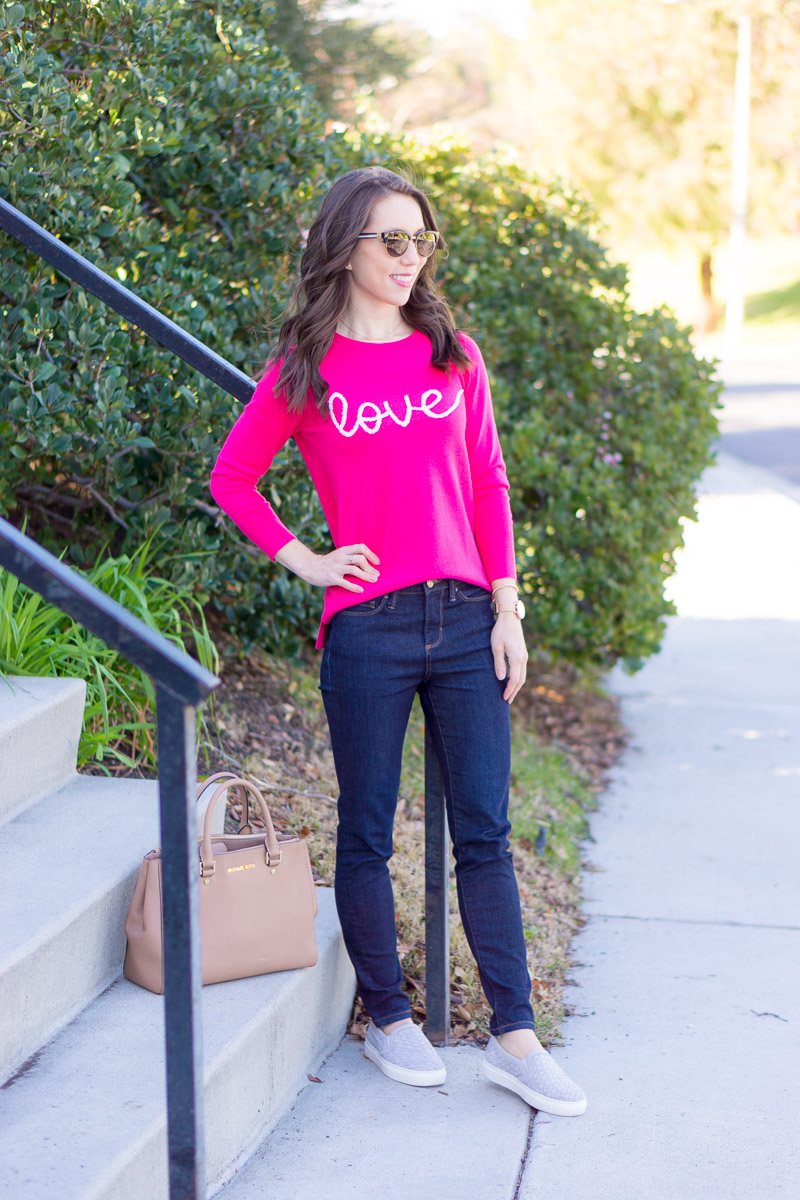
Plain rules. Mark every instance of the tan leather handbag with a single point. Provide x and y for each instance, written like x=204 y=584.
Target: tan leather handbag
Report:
x=257 y=901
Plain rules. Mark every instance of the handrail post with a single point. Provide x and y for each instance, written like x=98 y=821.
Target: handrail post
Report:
x=437 y=917
x=177 y=782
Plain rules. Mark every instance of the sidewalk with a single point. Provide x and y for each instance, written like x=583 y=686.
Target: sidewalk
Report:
x=687 y=1002
x=686 y=1030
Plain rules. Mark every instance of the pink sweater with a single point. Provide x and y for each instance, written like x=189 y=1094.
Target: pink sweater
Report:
x=408 y=462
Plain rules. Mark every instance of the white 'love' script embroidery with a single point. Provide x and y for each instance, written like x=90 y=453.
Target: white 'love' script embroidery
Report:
x=370 y=418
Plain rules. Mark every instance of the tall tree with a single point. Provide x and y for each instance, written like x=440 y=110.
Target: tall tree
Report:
x=634 y=103
x=340 y=53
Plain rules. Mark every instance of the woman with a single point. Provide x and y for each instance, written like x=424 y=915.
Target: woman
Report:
x=391 y=410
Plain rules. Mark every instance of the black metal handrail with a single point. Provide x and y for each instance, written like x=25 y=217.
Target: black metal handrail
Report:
x=125 y=302
x=180 y=684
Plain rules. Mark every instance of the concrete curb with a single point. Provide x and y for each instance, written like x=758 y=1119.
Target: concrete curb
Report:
x=86 y=1120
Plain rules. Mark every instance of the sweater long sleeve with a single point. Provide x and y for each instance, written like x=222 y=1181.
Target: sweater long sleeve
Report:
x=492 y=521
x=261 y=432
x=406 y=459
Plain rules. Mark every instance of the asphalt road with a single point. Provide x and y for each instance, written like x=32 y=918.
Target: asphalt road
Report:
x=760 y=422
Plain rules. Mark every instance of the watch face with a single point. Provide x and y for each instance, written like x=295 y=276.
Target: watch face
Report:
x=520 y=610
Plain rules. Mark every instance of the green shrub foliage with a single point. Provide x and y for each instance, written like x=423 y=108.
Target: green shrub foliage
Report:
x=174 y=147
x=176 y=151
x=605 y=415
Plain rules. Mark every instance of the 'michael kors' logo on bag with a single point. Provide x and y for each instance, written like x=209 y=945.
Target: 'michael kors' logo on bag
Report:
x=246 y=867
x=370 y=417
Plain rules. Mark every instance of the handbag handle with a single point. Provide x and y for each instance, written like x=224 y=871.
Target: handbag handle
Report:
x=271 y=847
x=244 y=824
x=202 y=784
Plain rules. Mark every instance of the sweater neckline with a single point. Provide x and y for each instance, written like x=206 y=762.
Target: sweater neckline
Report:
x=358 y=342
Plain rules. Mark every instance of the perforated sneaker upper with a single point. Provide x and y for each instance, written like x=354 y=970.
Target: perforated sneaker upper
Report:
x=406 y=1046
x=538 y=1071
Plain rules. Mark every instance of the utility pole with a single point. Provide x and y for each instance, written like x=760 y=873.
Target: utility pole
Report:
x=734 y=300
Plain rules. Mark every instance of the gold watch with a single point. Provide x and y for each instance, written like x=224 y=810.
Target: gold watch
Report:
x=519 y=608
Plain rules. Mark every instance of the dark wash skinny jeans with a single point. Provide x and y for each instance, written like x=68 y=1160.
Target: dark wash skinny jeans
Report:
x=378 y=654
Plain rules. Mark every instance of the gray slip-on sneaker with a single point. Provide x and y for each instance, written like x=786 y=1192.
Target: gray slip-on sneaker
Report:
x=538 y=1079
x=405 y=1055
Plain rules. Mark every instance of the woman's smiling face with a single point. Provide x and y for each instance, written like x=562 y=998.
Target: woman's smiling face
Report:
x=376 y=278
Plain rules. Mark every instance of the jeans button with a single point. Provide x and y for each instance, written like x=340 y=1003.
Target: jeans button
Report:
x=431 y=582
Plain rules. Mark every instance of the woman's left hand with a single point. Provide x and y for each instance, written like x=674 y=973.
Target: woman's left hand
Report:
x=508 y=642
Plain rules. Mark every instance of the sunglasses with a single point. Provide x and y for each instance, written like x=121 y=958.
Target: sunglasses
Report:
x=396 y=241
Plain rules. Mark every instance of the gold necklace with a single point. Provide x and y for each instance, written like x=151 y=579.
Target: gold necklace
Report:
x=367 y=339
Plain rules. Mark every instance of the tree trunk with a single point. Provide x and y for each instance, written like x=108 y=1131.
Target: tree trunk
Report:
x=709 y=311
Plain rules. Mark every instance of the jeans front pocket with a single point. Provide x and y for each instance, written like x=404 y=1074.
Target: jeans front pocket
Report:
x=471 y=592
x=364 y=608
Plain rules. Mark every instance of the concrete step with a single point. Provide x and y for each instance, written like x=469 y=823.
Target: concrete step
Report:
x=86 y=1119
x=40 y=727
x=69 y=867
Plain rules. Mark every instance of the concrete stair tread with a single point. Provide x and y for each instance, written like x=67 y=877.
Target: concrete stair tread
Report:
x=40 y=725
x=70 y=865
x=83 y=1106
x=86 y=1117
x=74 y=845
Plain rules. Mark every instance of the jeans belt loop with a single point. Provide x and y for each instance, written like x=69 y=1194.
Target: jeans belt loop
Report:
x=452 y=584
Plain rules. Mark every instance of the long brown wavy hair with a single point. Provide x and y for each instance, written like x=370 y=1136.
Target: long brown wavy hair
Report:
x=323 y=290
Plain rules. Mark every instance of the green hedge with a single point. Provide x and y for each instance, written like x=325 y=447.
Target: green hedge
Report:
x=177 y=154
x=175 y=148
x=605 y=415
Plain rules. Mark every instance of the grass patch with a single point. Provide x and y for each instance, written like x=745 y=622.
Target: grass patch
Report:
x=548 y=802
x=37 y=639
x=778 y=304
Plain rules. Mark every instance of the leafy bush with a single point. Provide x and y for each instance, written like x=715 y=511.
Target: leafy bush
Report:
x=605 y=415
x=182 y=154
x=175 y=151
x=119 y=718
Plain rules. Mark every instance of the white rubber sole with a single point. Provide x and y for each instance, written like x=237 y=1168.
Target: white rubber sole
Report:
x=558 y=1108
x=403 y=1074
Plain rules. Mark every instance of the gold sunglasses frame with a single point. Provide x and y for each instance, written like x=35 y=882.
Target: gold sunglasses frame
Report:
x=415 y=239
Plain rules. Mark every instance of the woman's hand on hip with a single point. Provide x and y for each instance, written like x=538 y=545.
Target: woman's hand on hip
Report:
x=325 y=570
x=508 y=642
